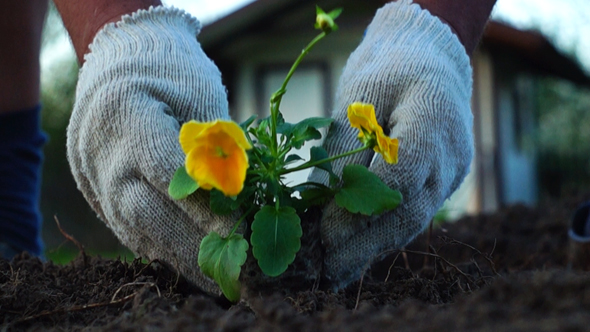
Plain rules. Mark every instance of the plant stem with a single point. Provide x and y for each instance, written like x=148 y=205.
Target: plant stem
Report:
x=235 y=228
x=300 y=58
x=277 y=97
x=319 y=162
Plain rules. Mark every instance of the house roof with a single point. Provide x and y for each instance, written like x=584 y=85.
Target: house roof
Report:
x=530 y=46
x=535 y=49
x=258 y=14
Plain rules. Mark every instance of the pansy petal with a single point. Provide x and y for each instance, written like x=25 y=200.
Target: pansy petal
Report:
x=388 y=148
x=218 y=161
x=189 y=134
x=201 y=166
x=362 y=115
x=211 y=171
x=232 y=177
x=236 y=132
x=358 y=120
x=368 y=111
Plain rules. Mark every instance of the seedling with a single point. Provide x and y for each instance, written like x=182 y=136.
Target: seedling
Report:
x=244 y=167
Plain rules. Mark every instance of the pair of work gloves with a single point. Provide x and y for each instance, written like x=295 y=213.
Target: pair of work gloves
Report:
x=147 y=75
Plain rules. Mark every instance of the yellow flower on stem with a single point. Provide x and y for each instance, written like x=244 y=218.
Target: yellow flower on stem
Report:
x=215 y=154
x=362 y=116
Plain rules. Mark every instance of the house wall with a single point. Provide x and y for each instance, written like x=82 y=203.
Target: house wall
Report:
x=515 y=95
x=262 y=69
x=478 y=192
x=483 y=105
x=503 y=170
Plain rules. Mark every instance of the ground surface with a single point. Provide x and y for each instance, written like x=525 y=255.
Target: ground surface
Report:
x=510 y=271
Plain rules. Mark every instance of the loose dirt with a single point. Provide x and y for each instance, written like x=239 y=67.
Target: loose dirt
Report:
x=508 y=271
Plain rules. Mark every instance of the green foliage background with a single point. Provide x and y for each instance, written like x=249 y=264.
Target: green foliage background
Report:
x=563 y=137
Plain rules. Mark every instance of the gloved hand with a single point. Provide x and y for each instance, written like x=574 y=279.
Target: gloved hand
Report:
x=416 y=73
x=144 y=77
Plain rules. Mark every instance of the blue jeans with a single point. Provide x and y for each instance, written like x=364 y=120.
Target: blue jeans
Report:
x=21 y=156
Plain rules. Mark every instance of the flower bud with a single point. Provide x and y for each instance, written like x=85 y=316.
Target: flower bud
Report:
x=325 y=21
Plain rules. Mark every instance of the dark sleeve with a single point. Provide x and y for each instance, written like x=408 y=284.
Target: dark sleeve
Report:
x=21 y=156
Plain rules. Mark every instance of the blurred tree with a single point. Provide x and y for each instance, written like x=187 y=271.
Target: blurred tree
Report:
x=563 y=137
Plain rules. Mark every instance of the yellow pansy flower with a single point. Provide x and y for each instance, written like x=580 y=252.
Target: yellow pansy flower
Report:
x=362 y=116
x=387 y=147
x=215 y=154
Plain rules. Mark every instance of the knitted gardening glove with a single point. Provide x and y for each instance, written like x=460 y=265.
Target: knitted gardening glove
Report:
x=417 y=74
x=144 y=77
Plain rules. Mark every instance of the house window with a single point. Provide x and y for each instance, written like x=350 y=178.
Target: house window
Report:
x=308 y=92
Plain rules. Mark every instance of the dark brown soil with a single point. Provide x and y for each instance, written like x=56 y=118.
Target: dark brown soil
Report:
x=509 y=271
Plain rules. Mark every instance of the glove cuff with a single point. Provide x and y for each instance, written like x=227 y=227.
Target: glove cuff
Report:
x=152 y=30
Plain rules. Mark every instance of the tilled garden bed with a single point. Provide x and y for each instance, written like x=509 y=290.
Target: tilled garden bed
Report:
x=507 y=271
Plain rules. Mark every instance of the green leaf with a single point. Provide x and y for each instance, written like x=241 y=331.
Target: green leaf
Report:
x=308 y=135
x=317 y=123
x=335 y=13
x=292 y=158
x=309 y=184
x=313 y=193
x=266 y=157
x=318 y=10
x=222 y=260
x=182 y=184
x=263 y=125
x=221 y=204
x=364 y=192
x=316 y=196
x=318 y=153
x=276 y=238
x=286 y=197
x=248 y=122
x=285 y=129
x=307 y=130
x=261 y=132
x=273 y=186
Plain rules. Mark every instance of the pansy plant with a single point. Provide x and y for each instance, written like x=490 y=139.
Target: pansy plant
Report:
x=244 y=167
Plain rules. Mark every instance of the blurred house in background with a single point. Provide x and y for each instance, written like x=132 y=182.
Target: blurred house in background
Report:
x=532 y=131
x=255 y=46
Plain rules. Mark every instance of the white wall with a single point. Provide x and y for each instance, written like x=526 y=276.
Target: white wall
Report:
x=518 y=174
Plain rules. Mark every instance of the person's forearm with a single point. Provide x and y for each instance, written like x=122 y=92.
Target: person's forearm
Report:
x=21 y=23
x=467 y=18
x=83 y=19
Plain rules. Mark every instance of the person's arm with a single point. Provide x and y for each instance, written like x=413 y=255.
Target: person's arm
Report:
x=467 y=18
x=83 y=19
x=21 y=139
x=21 y=23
